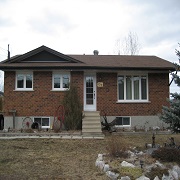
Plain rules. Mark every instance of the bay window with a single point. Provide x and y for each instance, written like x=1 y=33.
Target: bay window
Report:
x=132 y=88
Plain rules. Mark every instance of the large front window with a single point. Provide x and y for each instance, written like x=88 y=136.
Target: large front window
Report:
x=60 y=81
x=24 y=81
x=132 y=88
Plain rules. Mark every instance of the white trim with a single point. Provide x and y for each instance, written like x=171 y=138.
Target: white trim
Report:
x=133 y=101
x=61 y=74
x=140 y=100
x=41 y=119
x=24 y=73
x=94 y=106
x=124 y=125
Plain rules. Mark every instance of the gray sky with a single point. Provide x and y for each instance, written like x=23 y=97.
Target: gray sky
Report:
x=81 y=26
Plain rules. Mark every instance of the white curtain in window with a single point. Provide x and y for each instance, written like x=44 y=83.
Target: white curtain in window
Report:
x=128 y=88
x=136 y=87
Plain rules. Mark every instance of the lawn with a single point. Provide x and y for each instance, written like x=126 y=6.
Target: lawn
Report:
x=61 y=159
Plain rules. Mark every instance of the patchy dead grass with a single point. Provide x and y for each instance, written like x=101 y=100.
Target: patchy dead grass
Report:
x=60 y=159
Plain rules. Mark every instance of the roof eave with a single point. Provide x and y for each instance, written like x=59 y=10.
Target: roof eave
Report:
x=4 y=68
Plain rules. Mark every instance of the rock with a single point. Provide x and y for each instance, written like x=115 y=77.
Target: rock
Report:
x=106 y=168
x=174 y=174
x=156 y=178
x=177 y=169
x=159 y=164
x=112 y=175
x=149 y=167
x=125 y=178
x=126 y=164
x=143 y=178
x=140 y=153
x=100 y=157
x=167 y=177
x=131 y=154
x=101 y=164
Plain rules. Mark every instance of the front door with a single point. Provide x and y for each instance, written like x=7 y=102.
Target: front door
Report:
x=90 y=92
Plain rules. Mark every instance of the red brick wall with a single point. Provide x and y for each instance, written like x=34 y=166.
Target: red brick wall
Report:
x=40 y=102
x=107 y=96
x=43 y=102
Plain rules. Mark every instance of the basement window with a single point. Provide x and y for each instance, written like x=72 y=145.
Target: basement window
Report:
x=123 y=122
x=44 y=122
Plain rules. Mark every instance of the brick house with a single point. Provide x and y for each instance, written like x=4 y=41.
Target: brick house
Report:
x=131 y=88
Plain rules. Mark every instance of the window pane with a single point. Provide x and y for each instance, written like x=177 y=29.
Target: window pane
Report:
x=121 y=87
x=119 y=121
x=136 y=87
x=28 y=81
x=20 y=81
x=57 y=80
x=65 y=81
x=126 y=121
x=45 y=121
x=143 y=87
x=128 y=88
x=38 y=120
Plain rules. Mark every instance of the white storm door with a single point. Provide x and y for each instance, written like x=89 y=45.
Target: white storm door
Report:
x=90 y=92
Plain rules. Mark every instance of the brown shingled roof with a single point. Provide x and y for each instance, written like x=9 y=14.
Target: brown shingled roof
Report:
x=80 y=62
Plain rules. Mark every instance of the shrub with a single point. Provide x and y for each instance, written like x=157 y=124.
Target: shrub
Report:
x=167 y=154
x=73 y=109
x=117 y=147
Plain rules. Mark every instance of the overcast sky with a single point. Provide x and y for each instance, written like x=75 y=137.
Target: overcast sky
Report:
x=81 y=26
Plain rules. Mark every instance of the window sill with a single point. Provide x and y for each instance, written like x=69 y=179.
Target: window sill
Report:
x=23 y=90
x=122 y=126
x=119 y=102
x=60 y=90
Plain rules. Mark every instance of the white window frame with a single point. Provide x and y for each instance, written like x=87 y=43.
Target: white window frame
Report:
x=61 y=74
x=41 y=121
x=140 y=100
x=124 y=125
x=24 y=73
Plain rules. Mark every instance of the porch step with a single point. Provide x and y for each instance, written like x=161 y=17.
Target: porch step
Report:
x=91 y=124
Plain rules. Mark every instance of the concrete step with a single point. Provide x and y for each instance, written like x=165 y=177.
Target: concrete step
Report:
x=93 y=118
x=91 y=113
x=91 y=123
x=91 y=131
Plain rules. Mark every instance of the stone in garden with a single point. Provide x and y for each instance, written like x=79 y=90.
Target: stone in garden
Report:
x=174 y=174
x=140 y=153
x=101 y=164
x=143 y=178
x=112 y=175
x=177 y=169
x=159 y=164
x=131 y=153
x=125 y=178
x=126 y=164
x=100 y=157
x=106 y=167
x=170 y=177
x=156 y=178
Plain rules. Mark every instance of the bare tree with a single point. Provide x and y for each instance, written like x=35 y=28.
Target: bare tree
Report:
x=128 y=46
